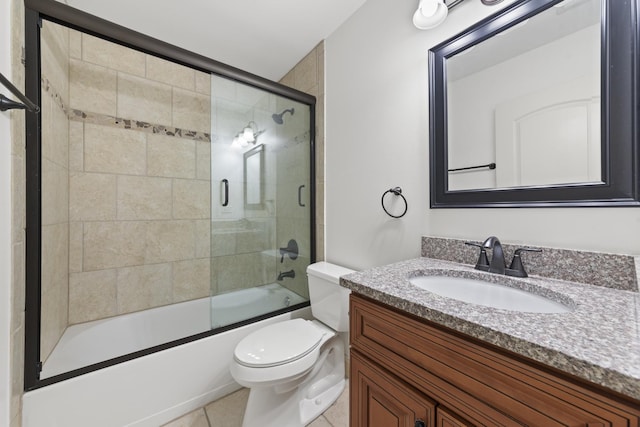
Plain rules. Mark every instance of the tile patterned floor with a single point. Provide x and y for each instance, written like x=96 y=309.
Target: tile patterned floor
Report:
x=227 y=412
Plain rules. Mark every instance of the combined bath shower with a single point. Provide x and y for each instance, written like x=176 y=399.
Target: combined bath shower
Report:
x=278 y=117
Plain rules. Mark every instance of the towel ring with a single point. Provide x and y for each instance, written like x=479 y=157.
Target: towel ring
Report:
x=398 y=192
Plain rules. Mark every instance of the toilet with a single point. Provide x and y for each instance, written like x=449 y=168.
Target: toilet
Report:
x=295 y=369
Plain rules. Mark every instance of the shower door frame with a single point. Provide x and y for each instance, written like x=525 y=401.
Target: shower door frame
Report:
x=51 y=10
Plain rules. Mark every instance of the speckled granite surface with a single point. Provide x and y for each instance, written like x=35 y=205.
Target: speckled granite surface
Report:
x=596 y=268
x=599 y=340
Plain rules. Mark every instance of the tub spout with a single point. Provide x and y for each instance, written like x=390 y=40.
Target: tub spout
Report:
x=283 y=274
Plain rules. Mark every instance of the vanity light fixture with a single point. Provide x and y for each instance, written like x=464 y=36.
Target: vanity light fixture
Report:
x=248 y=135
x=432 y=13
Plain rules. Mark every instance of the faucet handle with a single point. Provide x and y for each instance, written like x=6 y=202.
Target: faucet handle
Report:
x=517 y=268
x=483 y=261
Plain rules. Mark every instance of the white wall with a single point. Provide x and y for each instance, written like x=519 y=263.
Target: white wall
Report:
x=5 y=219
x=377 y=138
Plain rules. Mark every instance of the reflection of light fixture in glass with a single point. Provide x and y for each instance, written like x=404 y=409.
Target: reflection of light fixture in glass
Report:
x=249 y=134
x=432 y=13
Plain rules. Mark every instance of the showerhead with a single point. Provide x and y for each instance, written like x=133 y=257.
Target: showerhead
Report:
x=278 y=117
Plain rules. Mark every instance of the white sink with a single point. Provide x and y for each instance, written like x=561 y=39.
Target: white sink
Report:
x=488 y=294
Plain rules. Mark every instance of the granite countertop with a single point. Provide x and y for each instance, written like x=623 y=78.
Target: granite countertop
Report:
x=599 y=340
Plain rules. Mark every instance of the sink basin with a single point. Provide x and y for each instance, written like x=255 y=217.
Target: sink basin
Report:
x=488 y=294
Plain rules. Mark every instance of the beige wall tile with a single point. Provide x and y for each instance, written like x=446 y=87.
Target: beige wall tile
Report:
x=193 y=419
x=92 y=295
x=76 y=146
x=222 y=242
x=17 y=278
x=112 y=55
x=306 y=72
x=55 y=193
x=53 y=317
x=75 y=246
x=113 y=150
x=92 y=196
x=92 y=88
x=170 y=73
x=18 y=197
x=191 y=110
x=55 y=132
x=142 y=197
x=203 y=238
x=143 y=287
x=203 y=83
x=229 y=410
x=17 y=375
x=170 y=241
x=203 y=156
x=75 y=44
x=55 y=57
x=113 y=244
x=241 y=271
x=191 y=279
x=143 y=100
x=171 y=157
x=191 y=199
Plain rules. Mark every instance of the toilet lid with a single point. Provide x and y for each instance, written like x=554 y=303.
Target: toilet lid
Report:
x=279 y=343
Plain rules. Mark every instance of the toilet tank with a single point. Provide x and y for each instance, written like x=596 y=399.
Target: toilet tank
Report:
x=329 y=300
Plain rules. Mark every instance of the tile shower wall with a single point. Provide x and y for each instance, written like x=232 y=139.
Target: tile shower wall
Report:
x=307 y=76
x=18 y=218
x=139 y=181
x=55 y=188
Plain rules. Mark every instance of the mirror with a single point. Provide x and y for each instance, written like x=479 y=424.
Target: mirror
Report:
x=254 y=178
x=522 y=111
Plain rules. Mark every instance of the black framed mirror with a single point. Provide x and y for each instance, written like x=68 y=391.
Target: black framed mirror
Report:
x=537 y=106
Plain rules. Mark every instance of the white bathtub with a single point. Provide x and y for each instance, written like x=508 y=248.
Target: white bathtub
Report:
x=153 y=389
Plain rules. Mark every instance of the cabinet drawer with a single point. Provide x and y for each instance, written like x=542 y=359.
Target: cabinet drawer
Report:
x=485 y=385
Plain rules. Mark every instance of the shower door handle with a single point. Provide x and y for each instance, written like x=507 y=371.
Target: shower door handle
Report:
x=225 y=192
x=300 y=196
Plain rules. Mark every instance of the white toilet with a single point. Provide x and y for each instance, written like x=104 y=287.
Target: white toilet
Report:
x=295 y=369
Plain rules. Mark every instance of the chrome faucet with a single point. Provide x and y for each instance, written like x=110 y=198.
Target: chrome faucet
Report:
x=497 y=264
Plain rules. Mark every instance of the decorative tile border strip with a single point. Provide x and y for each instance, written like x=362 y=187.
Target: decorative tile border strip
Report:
x=122 y=123
x=595 y=268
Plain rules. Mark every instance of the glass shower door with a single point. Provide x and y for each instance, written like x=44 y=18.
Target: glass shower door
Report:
x=261 y=202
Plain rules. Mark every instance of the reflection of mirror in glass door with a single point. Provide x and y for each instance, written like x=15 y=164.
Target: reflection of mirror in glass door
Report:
x=528 y=101
x=135 y=252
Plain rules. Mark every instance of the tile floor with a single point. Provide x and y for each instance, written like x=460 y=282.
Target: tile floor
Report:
x=227 y=412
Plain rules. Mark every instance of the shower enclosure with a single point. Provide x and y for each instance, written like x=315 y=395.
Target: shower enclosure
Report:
x=169 y=197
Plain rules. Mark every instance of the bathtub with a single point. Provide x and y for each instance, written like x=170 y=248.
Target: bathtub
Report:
x=151 y=390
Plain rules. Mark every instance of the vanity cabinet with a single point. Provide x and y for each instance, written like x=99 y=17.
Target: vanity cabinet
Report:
x=406 y=370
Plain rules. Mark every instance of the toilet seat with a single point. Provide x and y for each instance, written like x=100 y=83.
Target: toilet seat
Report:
x=278 y=344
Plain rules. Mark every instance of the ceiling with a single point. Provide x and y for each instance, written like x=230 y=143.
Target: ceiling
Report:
x=263 y=37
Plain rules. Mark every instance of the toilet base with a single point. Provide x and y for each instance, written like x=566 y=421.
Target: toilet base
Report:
x=298 y=407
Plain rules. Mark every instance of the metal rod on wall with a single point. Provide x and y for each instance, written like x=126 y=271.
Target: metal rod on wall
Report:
x=490 y=166
x=7 y=104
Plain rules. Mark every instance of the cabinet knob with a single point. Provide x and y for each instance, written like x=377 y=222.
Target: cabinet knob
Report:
x=419 y=423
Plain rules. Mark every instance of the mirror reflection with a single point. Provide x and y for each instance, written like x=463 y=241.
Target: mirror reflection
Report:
x=523 y=106
x=253 y=177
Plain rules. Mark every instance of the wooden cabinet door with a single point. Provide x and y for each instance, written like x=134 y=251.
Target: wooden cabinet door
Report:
x=445 y=418
x=378 y=399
